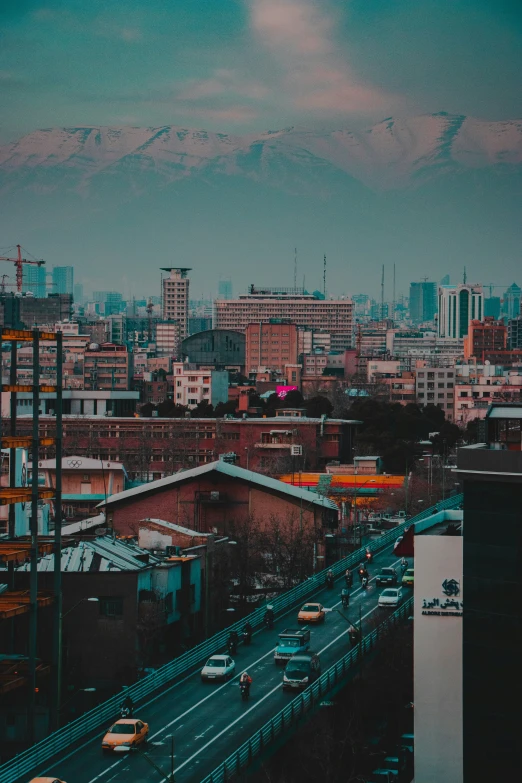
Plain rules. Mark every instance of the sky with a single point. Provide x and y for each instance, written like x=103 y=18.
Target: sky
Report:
x=240 y=65
x=246 y=66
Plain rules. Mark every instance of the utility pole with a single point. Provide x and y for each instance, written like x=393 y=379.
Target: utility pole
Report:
x=393 y=303
x=57 y=549
x=382 y=294
x=33 y=576
x=324 y=275
x=295 y=270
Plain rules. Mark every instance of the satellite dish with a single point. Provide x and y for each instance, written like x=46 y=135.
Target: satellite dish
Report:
x=94 y=347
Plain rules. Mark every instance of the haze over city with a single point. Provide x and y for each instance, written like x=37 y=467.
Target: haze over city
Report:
x=427 y=193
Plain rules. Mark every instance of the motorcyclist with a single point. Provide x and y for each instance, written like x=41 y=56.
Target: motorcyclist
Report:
x=404 y=563
x=269 y=617
x=353 y=632
x=329 y=578
x=232 y=642
x=127 y=707
x=247 y=632
x=368 y=555
x=363 y=572
x=245 y=680
x=345 y=596
x=364 y=582
x=348 y=577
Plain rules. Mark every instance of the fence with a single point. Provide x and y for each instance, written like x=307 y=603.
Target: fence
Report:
x=80 y=728
x=304 y=703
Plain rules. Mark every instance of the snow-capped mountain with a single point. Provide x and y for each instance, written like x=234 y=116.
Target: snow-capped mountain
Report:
x=393 y=154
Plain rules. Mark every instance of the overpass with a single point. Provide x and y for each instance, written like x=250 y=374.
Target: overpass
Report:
x=207 y=722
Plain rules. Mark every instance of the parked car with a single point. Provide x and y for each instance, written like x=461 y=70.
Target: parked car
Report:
x=407 y=579
x=218 y=667
x=46 y=780
x=387 y=576
x=311 y=613
x=127 y=733
x=390 y=597
x=301 y=671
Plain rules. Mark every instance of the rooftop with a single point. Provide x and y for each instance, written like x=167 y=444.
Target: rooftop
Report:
x=228 y=470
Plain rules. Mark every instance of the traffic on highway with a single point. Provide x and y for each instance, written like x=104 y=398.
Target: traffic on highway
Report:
x=198 y=721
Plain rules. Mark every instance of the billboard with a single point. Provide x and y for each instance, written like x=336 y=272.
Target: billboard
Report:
x=282 y=391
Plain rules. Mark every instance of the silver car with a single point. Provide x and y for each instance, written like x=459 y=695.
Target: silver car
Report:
x=390 y=597
x=218 y=667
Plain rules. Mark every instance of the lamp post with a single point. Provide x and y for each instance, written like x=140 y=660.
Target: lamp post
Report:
x=356 y=492
x=81 y=601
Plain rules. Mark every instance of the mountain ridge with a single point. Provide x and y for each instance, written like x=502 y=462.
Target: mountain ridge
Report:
x=396 y=153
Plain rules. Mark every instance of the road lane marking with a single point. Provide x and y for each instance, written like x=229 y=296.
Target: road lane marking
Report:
x=254 y=706
x=180 y=682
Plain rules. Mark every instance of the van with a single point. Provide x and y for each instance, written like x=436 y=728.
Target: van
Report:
x=301 y=671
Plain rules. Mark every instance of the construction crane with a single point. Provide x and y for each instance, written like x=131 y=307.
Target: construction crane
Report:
x=4 y=285
x=19 y=262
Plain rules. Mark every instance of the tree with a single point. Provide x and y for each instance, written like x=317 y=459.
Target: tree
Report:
x=146 y=409
x=225 y=408
x=294 y=399
x=203 y=410
x=318 y=406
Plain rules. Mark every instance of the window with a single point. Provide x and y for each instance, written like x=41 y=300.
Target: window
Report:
x=421 y=386
x=111 y=606
x=440 y=395
x=440 y=386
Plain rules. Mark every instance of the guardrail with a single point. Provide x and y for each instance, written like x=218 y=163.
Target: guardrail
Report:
x=27 y=760
x=304 y=703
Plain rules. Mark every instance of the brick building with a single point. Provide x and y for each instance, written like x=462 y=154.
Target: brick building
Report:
x=485 y=337
x=211 y=497
x=272 y=345
x=155 y=447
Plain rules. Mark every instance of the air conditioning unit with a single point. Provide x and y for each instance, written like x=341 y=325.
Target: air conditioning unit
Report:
x=296 y=451
x=214 y=495
x=172 y=551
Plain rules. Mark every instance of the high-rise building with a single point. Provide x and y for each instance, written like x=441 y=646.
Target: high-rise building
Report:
x=78 y=293
x=492 y=307
x=271 y=346
x=167 y=338
x=225 y=289
x=106 y=367
x=423 y=301
x=34 y=280
x=445 y=280
x=175 y=298
x=483 y=337
x=511 y=301
x=458 y=305
x=63 y=280
x=334 y=316
x=491 y=640
x=112 y=301
x=515 y=333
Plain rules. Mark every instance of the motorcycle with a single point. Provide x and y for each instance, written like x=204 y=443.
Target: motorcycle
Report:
x=244 y=687
x=354 y=636
x=329 y=582
x=269 y=620
x=247 y=637
x=231 y=646
x=363 y=574
x=345 y=601
x=348 y=578
x=364 y=583
x=126 y=712
x=404 y=565
x=369 y=557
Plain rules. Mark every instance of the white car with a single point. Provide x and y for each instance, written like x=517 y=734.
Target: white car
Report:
x=390 y=597
x=218 y=667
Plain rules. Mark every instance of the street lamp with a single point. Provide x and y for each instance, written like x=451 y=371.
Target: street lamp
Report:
x=356 y=492
x=81 y=601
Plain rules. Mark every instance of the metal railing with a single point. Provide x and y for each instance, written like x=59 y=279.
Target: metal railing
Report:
x=27 y=760
x=304 y=703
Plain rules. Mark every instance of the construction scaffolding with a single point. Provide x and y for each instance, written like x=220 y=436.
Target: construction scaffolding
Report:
x=16 y=549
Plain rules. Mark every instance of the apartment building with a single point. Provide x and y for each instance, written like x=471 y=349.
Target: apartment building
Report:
x=168 y=338
x=106 y=367
x=175 y=297
x=190 y=385
x=437 y=387
x=271 y=345
x=334 y=316
x=412 y=346
x=484 y=337
x=474 y=395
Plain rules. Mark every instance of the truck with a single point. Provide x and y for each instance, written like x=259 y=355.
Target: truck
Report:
x=291 y=641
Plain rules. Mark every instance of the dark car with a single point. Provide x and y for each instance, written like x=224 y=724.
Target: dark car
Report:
x=387 y=576
x=301 y=671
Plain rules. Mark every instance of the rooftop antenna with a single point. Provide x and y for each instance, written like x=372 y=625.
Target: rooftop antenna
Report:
x=382 y=294
x=464 y=276
x=295 y=269
x=393 y=303
x=324 y=275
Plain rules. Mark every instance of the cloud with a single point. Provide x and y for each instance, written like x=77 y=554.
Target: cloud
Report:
x=226 y=114
x=222 y=82
x=315 y=74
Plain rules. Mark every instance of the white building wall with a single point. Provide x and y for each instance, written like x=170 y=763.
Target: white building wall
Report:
x=437 y=661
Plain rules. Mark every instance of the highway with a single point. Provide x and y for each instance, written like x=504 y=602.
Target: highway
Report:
x=209 y=721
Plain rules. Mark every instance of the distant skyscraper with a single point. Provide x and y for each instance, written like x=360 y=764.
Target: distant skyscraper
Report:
x=458 y=305
x=423 y=301
x=225 y=289
x=34 y=279
x=175 y=298
x=511 y=301
x=63 y=280
x=112 y=301
x=78 y=293
x=492 y=307
x=445 y=280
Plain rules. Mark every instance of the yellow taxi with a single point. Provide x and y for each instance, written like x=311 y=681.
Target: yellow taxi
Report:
x=125 y=733
x=311 y=613
x=46 y=780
